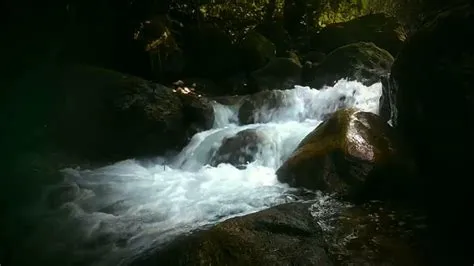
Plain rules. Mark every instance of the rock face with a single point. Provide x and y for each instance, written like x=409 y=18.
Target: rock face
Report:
x=353 y=154
x=105 y=114
x=377 y=28
x=432 y=86
x=239 y=149
x=364 y=62
x=283 y=235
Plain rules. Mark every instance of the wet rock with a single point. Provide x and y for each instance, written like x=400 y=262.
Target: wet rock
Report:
x=283 y=235
x=254 y=107
x=364 y=62
x=380 y=29
x=240 y=149
x=278 y=74
x=325 y=232
x=432 y=82
x=374 y=233
x=353 y=154
x=256 y=51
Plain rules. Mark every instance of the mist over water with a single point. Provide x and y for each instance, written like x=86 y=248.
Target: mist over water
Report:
x=103 y=216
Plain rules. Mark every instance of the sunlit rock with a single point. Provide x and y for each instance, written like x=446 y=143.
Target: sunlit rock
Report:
x=353 y=154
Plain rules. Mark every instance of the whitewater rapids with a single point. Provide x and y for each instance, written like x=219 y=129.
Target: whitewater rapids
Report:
x=104 y=216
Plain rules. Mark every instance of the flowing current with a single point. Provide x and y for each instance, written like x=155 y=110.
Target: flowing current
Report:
x=106 y=216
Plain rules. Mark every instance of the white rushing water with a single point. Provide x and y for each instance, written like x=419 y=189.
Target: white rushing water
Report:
x=108 y=214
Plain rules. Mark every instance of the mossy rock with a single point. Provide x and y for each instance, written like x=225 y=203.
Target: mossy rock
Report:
x=256 y=51
x=282 y=235
x=353 y=154
x=364 y=62
x=380 y=29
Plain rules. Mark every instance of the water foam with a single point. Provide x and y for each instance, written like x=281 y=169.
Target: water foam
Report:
x=112 y=213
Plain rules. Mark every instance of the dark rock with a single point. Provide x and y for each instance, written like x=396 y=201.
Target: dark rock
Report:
x=323 y=233
x=380 y=29
x=104 y=114
x=363 y=62
x=256 y=51
x=353 y=154
x=374 y=233
x=283 y=235
x=240 y=149
x=433 y=80
x=278 y=74
x=256 y=104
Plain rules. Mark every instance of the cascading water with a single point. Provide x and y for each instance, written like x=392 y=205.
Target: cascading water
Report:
x=106 y=215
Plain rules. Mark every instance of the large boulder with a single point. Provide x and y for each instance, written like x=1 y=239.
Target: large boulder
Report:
x=353 y=154
x=380 y=29
x=283 y=235
x=279 y=74
x=432 y=88
x=364 y=62
x=240 y=149
x=105 y=115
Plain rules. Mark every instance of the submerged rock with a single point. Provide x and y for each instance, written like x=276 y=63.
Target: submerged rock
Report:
x=353 y=154
x=240 y=149
x=380 y=29
x=432 y=86
x=364 y=62
x=283 y=235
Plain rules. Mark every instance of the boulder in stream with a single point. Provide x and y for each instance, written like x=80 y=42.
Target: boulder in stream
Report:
x=240 y=149
x=354 y=154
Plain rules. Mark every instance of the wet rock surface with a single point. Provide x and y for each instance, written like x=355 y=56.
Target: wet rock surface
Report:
x=353 y=154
